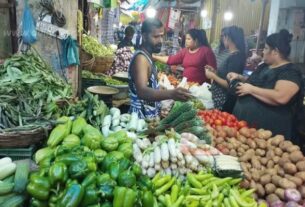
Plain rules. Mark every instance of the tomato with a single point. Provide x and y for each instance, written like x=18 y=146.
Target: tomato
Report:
x=225 y=114
x=242 y=124
x=218 y=122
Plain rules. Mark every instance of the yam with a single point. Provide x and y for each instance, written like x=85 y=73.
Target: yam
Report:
x=247 y=156
x=290 y=168
x=264 y=161
x=293 y=148
x=277 y=140
x=270 y=188
x=260 y=152
x=255 y=163
x=265 y=179
x=296 y=156
x=262 y=144
x=270 y=164
x=278 y=151
x=300 y=165
x=276 y=159
x=286 y=184
x=251 y=143
x=260 y=190
x=280 y=193
x=272 y=198
x=296 y=180
x=300 y=175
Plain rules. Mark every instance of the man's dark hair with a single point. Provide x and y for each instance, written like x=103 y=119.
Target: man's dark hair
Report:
x=129 y=31
x=149 y=24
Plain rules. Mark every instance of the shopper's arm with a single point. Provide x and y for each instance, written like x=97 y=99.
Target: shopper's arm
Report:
x=282 y=93
x=162 y=59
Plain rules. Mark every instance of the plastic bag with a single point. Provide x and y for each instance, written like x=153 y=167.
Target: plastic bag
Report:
x=29 y=33
x=70 y=54
x=203 y=94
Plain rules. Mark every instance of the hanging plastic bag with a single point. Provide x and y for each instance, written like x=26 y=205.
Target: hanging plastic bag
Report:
x=29 y=33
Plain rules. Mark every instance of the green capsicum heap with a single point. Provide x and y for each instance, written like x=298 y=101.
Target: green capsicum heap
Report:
x=58 y=173
x=39 y=187
x=73 y=196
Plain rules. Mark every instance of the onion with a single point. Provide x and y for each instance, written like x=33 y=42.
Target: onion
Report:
x=292 y=195
x=262 y=203
x=277 y=204
x=291 y=204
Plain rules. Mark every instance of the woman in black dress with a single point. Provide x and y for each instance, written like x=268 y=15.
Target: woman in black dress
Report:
x=271 y=97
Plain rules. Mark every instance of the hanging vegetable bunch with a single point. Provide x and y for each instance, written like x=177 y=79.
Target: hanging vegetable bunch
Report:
x=93 y=47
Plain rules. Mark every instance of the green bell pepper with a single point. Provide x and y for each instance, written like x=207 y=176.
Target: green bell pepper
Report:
x=90 y=179
x=144 y=182
x=58 y=173
x=124 y=163
x=119 y=196
x=39 y=187
x=106 y=191
x=129 y=198
x=90 y=197
x=114 y=170
x=68 y=159
x=61 y=150
x=72 y=197
x=46 y=162
x=136 y=169
x=78 y=169
x=37 y=203
x=91 y=163
x=147 y=199
x=100 y=155
x=107 y=204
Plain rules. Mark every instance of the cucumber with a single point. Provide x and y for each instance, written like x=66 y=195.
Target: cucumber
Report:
x=21 y=175
x=6 y=188
x=186 y=116
x=14 y=201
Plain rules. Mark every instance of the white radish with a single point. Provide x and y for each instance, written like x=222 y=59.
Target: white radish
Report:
x=132 y=135
x=175 y=172
x=145 y=161
x=144 y=171
x=146 y=143
x=165 y=164
x=140 y=144
x=179 y=155
x=182 y=170
x=151 y=172
x=164 y=152
x=158 y=167
x=172 y=148
x=137 y=154
x=168 y=171
x=151 y=160
x=115 y=122
x=157 y=154
x=173 y=166
x=174 y=159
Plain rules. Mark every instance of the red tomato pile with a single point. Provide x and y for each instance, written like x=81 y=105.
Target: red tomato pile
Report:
x=218 y=118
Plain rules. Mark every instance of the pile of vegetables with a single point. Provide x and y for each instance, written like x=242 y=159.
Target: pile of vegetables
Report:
x=183 y=118
x=121 y=61
x=117 y=121
x=89 y=107
x=271 y=165
x=218 y=118
x=13 y=181
x=202 y=189
x=93 y=47
x=107 y=79
x=29 y=91
x=173 y=154
x=80 y=167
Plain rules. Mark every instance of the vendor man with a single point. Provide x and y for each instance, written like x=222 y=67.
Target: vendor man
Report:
x=143 y=76
x=126 y=42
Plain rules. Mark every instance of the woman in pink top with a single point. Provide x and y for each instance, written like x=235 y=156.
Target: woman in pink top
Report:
x=194 y=57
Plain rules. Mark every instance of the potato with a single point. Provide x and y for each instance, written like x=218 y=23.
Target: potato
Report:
x=290 y=168
x=281 y=172
x=239 y=154
x=245 y=132
x=251 y=143
x=245 y=147
x=301 y=189
x=248 y=175
x=300 y=175
x=272 y=198
x=285 y=183
x=275 y=180
x=296 y=180
x=247 y=156
x=265 y=179
x=280 y=193
x=230 y=146
x=278 y=152
x=262 y=144
x=271 y=171
x=260 y=152
x=276 y=140
x=233 y=153
x=241 y=150
x=219 y=140
x=264 y=161
x=270 y=154
x=244 y=184
x=243 y=139
x=276 y=159
x=260 y=190
x=285 y=145
x=293 y=148
x=253 y=184
x=285 y=155
x=283 y=161
x=255 y=175
x=255 y=163
x=270 y=188
x=264 y=134
x=270 y=164
x=300 y=165
x=296 y=156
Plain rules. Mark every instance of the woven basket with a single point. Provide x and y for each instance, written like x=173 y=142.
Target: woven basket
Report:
x=23 y=138
x=102 y=64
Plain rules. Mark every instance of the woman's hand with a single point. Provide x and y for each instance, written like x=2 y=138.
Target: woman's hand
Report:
x=210 y=72
x=232 y=76
x=244 y=89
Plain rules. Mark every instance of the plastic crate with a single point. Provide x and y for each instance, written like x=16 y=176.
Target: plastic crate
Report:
x=17 y=153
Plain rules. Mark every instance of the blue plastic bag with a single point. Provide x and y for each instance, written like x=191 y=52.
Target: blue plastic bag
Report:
x=29 y=33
